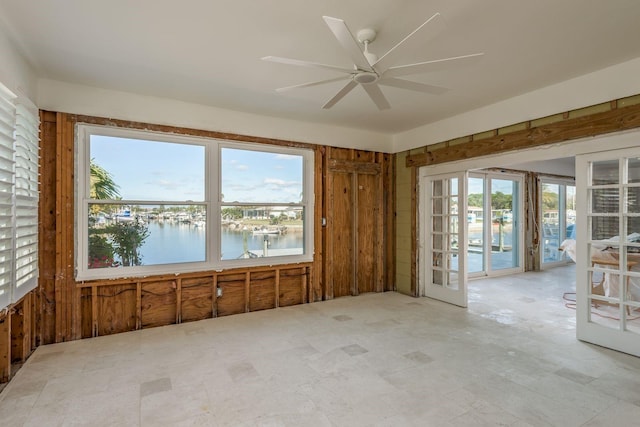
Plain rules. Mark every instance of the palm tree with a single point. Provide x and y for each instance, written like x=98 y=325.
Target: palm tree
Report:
x=102 y=185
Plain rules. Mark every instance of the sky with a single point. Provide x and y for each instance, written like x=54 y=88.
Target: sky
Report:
x=148 y=170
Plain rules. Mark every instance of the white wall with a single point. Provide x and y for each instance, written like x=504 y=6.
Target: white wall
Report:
x=604 y=85
x=15 y=73
x=71 y=98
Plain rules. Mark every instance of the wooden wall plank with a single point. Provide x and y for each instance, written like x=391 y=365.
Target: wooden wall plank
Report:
x=17 y=351
x=414 y=236
x=94 y=311
x=276 y=296
x=389 y=219
x=89 y=329
x=327 y=243
x=5 y=348
x=47 y=261
x=316 y=292
x=178 y=300
x=366 y=192
x=340 y=219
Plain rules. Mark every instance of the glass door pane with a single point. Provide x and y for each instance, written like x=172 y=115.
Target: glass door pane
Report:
x=570 y=212
x=504 y=219
x=551 y=232
x=476 y=222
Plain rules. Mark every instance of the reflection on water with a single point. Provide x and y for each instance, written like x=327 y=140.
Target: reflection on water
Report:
x=174 y=242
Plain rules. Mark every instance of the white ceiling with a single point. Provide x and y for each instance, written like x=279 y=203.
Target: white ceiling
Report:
x=208 y=51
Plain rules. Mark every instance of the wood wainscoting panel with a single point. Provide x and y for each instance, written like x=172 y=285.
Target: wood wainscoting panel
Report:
x=159 y=303
x=116 y=307
x=262 y=286
x=197 y=298
x=233 y=289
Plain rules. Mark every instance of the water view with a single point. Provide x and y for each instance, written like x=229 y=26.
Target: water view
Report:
x=171 y=242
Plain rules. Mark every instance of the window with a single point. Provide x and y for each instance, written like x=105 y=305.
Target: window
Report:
x=19 y=125
x=151 y=203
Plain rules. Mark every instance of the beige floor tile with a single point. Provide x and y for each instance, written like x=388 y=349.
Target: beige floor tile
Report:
x=511 y=359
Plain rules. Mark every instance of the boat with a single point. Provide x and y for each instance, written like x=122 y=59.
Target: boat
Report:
x=264 y=230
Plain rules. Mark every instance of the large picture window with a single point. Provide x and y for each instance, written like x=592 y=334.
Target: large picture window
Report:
x=152 y=203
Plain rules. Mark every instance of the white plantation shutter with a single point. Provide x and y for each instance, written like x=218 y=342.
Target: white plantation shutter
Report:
x=7 y=176
x=26 y=198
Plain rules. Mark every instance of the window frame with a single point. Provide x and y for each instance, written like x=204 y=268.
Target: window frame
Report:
x=212 y=200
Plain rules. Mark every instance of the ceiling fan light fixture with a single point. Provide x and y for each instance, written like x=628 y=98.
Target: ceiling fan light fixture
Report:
x=365 y=77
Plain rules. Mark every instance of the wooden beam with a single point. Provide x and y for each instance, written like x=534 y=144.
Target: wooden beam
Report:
x=78 y=118
x=247 y=292
x=615 y=120
x=138 y=305
x=347 y=166
x=94 y=311
x=316 y=292
x=303 y=287
x=378 y=242
x=178 y=300
x=390 y=227
x=414 y=235
x=328 y=229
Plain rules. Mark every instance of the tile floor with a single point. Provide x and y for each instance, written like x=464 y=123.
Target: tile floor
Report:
x=377 y=359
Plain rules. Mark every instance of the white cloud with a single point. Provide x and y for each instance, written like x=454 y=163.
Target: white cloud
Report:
x=287 y=157
x=280 y=182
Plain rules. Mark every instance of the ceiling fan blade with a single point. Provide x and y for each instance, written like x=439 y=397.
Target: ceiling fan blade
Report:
x=310 y=84
x=429 y=29
x=340 y=30
x=438 y=64
x=300 y=63
x=377 y=96
x=341 y=94
x=419 y=87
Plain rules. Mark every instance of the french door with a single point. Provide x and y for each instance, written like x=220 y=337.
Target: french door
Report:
x=608 y=249
x=444 y=224
x=494 y=217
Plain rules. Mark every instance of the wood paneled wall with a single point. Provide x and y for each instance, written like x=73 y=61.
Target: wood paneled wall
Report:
x=353 y=253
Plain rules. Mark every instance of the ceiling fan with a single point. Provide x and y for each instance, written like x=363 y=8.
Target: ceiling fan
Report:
x=368 y=71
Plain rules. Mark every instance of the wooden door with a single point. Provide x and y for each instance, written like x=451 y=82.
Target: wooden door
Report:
x=354 y=228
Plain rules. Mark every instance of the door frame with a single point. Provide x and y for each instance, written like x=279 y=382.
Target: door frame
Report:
x=613 y=141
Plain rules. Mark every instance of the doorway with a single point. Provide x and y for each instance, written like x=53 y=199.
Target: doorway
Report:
x=623 y=336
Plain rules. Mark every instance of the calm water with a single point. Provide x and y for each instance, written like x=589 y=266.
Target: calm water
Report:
x=171 y=242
